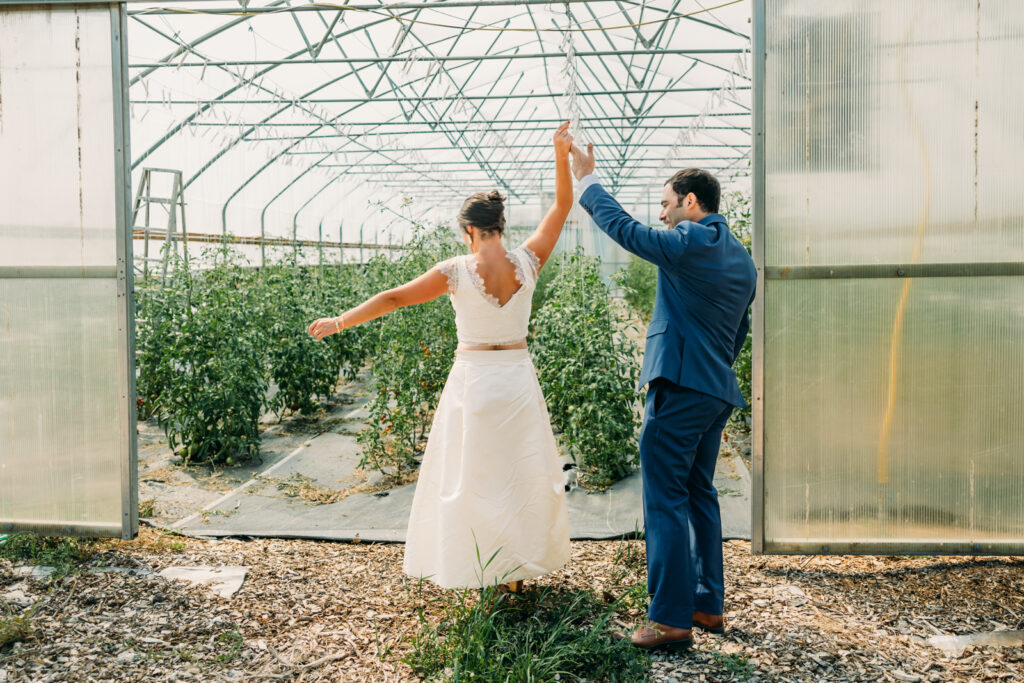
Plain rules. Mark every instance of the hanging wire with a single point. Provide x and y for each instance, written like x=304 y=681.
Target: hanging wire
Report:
x=686 y=136
x=571 y=110
x=570 y=106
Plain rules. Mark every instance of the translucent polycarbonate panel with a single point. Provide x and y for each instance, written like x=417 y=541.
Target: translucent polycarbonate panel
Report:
x=61 y=429
x=894 y=411
x=56 y=138
x=893 y=132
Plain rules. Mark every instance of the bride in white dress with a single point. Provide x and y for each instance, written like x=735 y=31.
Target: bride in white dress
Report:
x=489 y=505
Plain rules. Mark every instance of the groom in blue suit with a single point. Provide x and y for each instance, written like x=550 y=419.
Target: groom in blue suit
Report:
x=706 y=284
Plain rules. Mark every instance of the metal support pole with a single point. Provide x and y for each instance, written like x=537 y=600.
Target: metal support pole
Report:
x=441 y=58
x=448 y=98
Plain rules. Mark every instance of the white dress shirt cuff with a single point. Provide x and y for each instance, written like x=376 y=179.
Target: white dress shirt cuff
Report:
x=586 y=181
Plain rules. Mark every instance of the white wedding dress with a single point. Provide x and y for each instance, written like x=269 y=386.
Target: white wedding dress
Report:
x=489 y=505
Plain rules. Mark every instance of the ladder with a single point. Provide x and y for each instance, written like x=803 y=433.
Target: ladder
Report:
x=174 y=229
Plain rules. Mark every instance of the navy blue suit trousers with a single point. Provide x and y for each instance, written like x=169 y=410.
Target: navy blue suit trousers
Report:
x=679 y=443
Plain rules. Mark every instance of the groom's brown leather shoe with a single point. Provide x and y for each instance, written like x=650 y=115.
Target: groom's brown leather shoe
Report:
x=652 y=636
x=713 y=623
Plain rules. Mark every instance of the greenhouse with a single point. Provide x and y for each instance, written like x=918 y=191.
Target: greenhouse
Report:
x=190 y=187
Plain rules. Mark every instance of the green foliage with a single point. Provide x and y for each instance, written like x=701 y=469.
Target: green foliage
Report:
x=213 y=406
x=211 y=340
x=413 y=352
x=147 y=508
x=738 y=213
x=156 y=310
x=628 y=577
x=303 y=368
x=639 y=282
x=588 y=370
x=339 y=288
x=544 y=279
x=230 y=644
x=744 y=371
x=65 y=555
x=16 y=628
x=737 y=210
x=734 y=664
x=543 y=635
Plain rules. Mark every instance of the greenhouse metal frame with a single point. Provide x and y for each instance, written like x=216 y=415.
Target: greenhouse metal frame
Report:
x=422 y=112
x=620 y=119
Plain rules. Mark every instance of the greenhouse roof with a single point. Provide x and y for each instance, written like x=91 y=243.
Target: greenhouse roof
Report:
x=303 y=110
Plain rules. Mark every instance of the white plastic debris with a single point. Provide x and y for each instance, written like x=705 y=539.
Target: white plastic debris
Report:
x=18 y=595
x=224 y=581
x=954 y=646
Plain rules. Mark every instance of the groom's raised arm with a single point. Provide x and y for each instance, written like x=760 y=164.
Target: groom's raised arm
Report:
x=664 y=248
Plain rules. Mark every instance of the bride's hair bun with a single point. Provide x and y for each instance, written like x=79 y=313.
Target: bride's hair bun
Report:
x=485 y=211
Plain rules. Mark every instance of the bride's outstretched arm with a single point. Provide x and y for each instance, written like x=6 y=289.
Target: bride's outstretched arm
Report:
x=542 y=241
x=426 y=287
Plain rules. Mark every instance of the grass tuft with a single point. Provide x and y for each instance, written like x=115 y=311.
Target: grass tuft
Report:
x=16 y=628
x=735 y=664
x=64 y=554
x=541 y=635
x=230 y=644
x=147 y=508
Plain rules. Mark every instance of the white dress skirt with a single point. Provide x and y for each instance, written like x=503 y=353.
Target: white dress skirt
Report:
x=490 y=503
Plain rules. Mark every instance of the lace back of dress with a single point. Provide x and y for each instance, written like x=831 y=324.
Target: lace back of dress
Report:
x=479 y=316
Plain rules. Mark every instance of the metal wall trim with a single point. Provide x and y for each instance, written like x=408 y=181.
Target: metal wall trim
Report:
x=125 y=273
x=58 y=272
x=911 y=270
x=757 y=499
x=61 y=528
x=30 y=4
x=826 y=547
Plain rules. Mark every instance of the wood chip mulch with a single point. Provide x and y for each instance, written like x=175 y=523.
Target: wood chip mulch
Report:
x=319 y=611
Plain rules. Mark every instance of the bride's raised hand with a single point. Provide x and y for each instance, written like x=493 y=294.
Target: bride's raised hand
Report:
x=324 y=327
x=563 y=141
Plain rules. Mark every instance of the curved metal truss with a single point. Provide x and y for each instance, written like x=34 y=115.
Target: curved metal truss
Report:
x=303 y=107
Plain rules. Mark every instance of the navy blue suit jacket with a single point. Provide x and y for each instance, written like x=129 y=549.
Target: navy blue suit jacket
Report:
x=706 y=282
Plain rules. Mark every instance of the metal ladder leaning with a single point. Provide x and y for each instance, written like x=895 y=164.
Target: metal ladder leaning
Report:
x=175 y=206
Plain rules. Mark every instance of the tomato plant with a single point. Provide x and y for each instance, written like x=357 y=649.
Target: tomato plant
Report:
x=302 y=368
x=738 y=212
x=588 y=370
x=157 y=309
x=639 y=283
x=212 y=407
x=413 y=352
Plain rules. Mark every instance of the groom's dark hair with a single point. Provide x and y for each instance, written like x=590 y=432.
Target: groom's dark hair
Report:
x=702 y=184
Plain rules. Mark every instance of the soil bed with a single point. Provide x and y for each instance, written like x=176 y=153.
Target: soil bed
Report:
x=330 y=611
